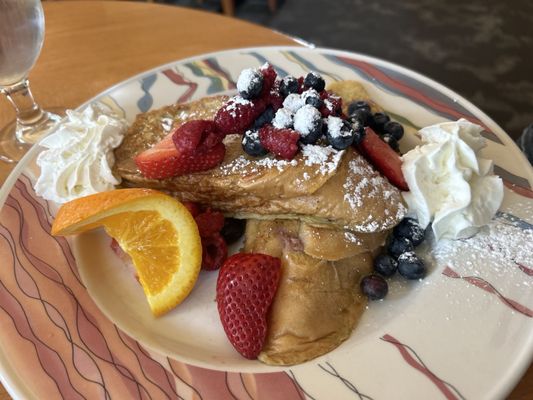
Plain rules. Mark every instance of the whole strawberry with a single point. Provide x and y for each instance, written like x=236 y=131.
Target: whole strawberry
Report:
x=246 y=285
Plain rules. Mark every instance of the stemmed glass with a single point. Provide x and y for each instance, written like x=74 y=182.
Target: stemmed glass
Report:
x=21 y=39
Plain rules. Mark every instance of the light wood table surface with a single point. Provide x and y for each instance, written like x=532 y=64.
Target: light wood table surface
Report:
x=92 y=45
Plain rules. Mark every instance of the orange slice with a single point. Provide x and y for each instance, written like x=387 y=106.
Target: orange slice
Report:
x=157 y=232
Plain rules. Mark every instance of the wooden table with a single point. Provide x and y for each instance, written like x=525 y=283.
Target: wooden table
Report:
x=90 y=46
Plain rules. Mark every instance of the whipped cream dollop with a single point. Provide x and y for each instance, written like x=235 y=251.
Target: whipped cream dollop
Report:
x=79 y=155
x=449 y=183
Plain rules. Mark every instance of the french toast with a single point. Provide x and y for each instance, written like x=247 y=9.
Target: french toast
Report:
x=321 y=186
x=318 y=302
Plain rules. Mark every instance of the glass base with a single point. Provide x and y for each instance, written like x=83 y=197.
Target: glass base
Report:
x=12 y=149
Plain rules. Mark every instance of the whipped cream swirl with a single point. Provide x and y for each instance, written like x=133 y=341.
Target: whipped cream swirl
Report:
x=79 y=155
x=449 y=183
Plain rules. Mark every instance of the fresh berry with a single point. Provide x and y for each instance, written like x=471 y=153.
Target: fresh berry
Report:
x=374 y=287
x=238 y=114
x=246 y=286
x=252 y=145
x=359 y=131
x=196 y=137
x=288 y=85
x=283 y=119
x=293 y=102
x=358 y=105
x=377 y=121
x=264 y=118
x=410 y=266
x=214 y=252
x=393 y=128
x=281 y=142
x=269 y=78
x=315 y=81
x=385 y=265
x=386 y=160
x=391 y=141
x=340 y=133
x=361 y=114
x=194 y=208
x=233 y=229
x=399 y=245
x=209 y=222
x=300 y=84
x=332 y=104
x=409 y=228
x=274 y=98
x=250 y=83
x=312 y=97
x=163 y=160
x=308 y=123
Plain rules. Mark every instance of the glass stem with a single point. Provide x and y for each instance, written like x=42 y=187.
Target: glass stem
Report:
x=28 y=111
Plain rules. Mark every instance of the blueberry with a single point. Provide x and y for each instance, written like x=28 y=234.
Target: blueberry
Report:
x=288 y=85
x=340 y=133
x=385 y=265
x=250 y=83
x=358 y=105
x=393 y=128
x=251 y=144
x=284 y=118
x=399 y=245
x=359 y=131
x=378 y=120
x=410 y=266
x=233 y=229
x=308 y=122
x=265 y=118
x=409 y=228
x=315 y=81
x=362 y=114
x=374 y=286
x=312 y=97
x=393 y=143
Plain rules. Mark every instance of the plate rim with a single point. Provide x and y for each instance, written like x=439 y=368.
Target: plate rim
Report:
x=14 y=384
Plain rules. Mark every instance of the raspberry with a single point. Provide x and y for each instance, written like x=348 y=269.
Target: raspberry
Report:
x=269 y=78
x=274 y=98
x=281 y=142
x=238 y=114
x=194 y=208
x=332 y=104
x=214 y=252
x=209 y=222
x=196 y=137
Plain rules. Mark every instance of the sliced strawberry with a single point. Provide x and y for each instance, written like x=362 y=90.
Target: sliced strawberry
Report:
x=214 y=252
x=164 y=161
x=281 y=142
x=246 y=286
x=384 y=158
x=238 y=114
x=197 y=136
x=209 y=222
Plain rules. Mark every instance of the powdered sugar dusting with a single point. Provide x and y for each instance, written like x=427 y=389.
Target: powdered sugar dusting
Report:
x=306 y=119
x=503 y=245
x=232 y=105
x=325 y=156
x=335 y=125
x=247 y=78
x=293 y=102
x=362 y=183
x=282 y=119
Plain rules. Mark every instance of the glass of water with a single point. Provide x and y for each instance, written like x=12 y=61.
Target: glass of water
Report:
x=21 y=39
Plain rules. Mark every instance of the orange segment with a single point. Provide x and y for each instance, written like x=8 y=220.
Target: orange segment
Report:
x=157 y=232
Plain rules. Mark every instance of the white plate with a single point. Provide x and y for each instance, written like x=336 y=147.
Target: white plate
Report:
x=75 y=322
